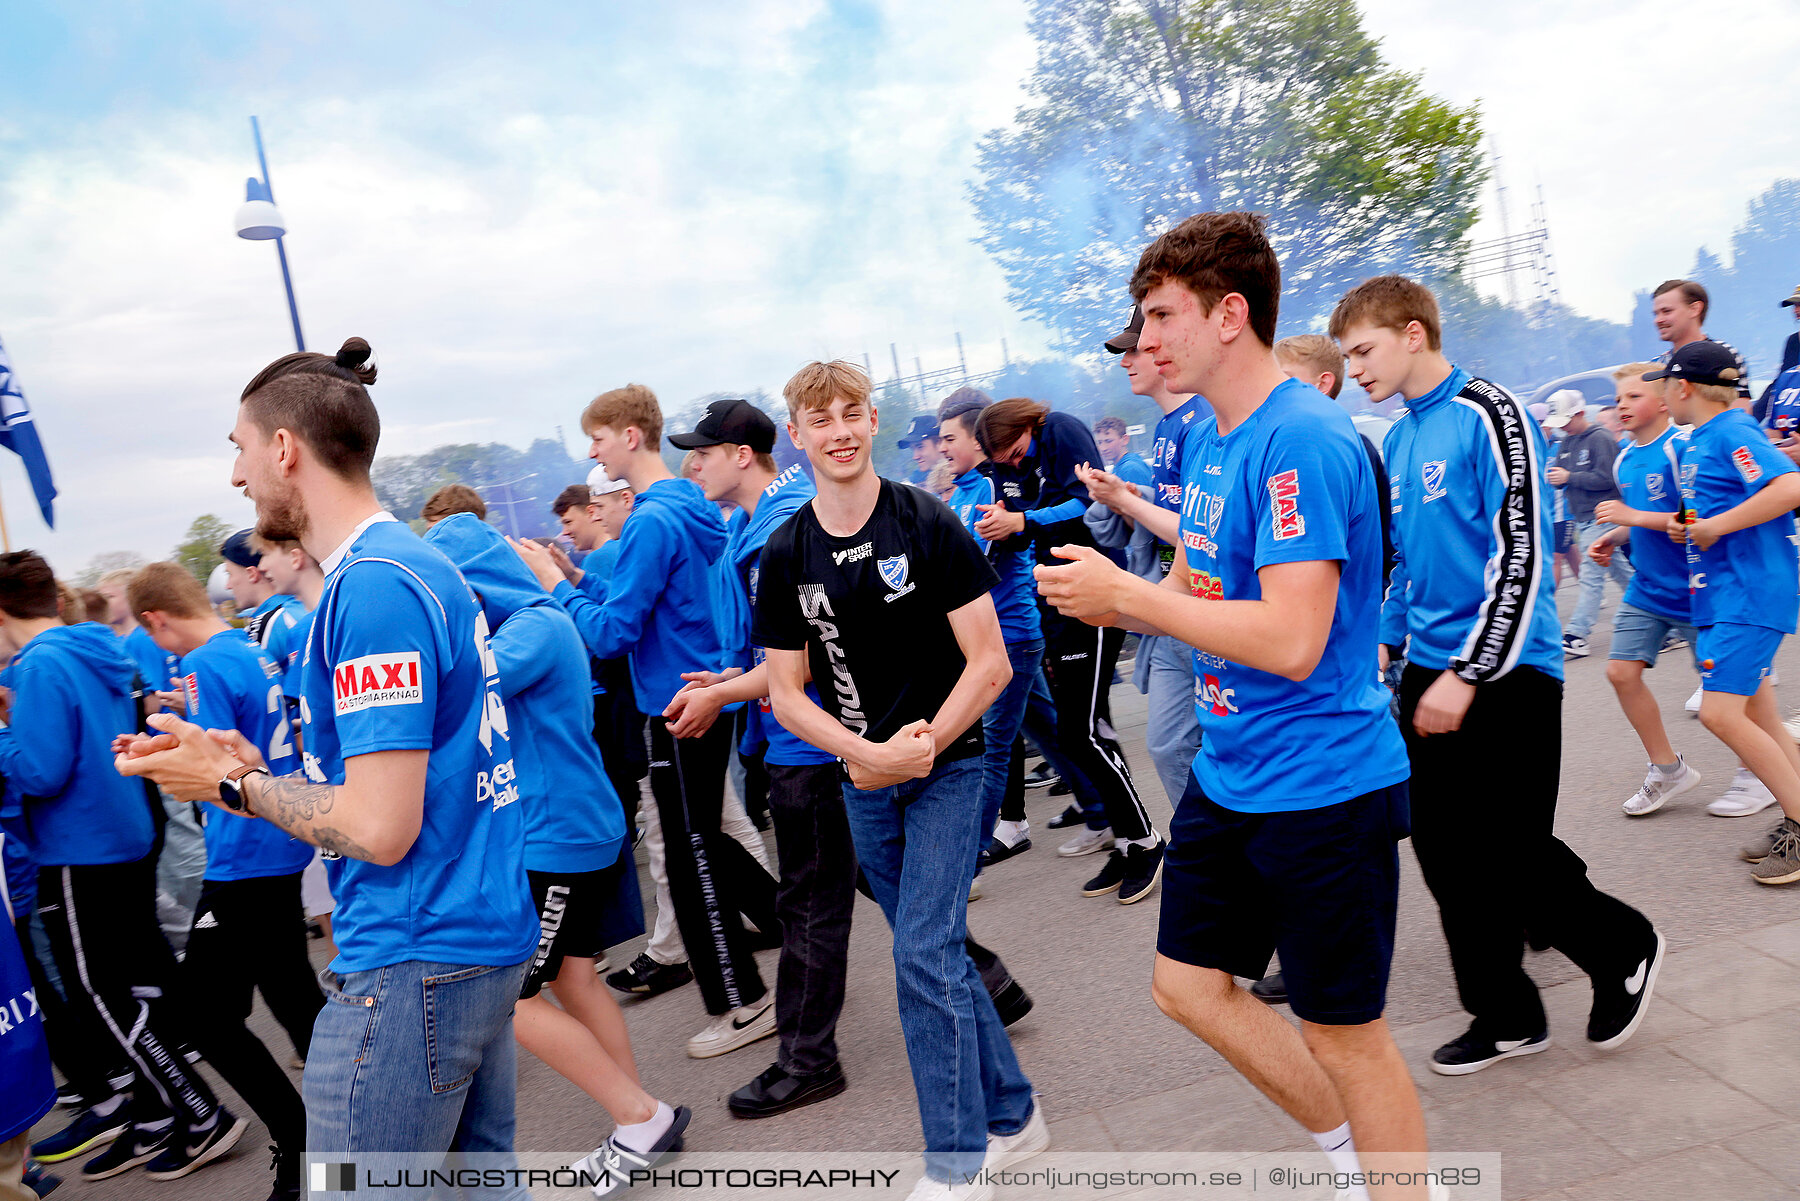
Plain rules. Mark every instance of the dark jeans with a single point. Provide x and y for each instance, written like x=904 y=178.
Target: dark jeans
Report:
x=1483 y=813
x=814 y=900
x=250 y=935
x=101 y=919
x=714 y=882
x=1080 y=660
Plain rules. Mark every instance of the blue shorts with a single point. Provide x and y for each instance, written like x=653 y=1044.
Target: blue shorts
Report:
x=1318 y=885
x=1736 y=658
x=1638 y=635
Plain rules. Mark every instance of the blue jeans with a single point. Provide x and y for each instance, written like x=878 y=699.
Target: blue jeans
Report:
x=1000 y=726
x=917 y=843
x=1172 y=730
x=414 y=1058
x=1592 y=583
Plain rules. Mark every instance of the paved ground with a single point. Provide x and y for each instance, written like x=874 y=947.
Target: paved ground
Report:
x=1702 y=1103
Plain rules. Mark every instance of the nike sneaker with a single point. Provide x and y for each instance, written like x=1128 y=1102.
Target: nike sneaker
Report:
x=1620 y=1001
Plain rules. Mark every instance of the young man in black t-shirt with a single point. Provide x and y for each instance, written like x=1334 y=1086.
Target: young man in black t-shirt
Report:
x=881 y=588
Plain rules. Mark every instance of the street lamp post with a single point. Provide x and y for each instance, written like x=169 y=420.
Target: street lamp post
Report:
x=260 y=221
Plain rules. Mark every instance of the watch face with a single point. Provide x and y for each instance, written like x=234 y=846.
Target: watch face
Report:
x=231 y=793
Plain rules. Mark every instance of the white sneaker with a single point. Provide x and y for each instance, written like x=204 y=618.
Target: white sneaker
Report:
x=1012 y=833
x=739 y=1028
x=1693 y=702
x=941 y=1190
x=1005 y=1150
x=975 y=890
x=1746 y=797
x=1658 y=788
x=1088 y=842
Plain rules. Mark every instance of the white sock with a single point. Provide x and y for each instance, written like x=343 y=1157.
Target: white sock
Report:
x=641 y=1136
x=1339 y=1149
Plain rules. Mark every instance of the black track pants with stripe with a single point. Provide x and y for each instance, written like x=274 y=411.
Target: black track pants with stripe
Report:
x=713 y=880
x=1079 y=660
x=101 y=919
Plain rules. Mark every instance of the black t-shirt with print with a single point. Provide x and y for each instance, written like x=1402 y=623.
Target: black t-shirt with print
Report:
x=872 y=610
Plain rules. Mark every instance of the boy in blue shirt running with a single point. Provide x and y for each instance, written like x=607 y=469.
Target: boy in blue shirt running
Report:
x=659 y=610
x=247 y=934
x=1648 y=476
x=408 y=785
x=1739 y=494
x=1481 y=696
x=1275 y=585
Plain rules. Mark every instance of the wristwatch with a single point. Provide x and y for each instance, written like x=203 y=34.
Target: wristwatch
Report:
x=231 y=788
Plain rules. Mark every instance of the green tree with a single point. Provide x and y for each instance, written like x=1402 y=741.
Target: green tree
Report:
x=198 y=551
x=1146 y=111
x=105 y=561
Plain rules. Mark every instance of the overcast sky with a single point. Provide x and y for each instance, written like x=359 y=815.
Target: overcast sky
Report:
x=518 y=212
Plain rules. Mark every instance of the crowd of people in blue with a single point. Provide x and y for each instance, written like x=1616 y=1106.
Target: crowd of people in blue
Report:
x=445 y=749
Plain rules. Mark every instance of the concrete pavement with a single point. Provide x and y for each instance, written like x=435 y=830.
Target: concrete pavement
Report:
x=1701 y=1103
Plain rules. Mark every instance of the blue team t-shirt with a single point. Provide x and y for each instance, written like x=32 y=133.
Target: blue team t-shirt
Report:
x=232 y=685
x=1132 y=468
x=397 y=659
x=1165 y=461
x=1649 y=478
x=155 y=665
x=1751 y=577
x=1784 y=403
x=1290 y=484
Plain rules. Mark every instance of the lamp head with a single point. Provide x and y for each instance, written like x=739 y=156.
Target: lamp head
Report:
x=257 y=218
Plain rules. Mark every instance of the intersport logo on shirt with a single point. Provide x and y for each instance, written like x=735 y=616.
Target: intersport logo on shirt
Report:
x=376 y=681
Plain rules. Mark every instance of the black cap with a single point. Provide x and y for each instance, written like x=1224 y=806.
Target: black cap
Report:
x=1126 y=339
x=1702 y=362
x=921 y=429
x=237 y=549
x=736 y=421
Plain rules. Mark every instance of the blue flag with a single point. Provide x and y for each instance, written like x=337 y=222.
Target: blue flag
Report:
x=18 y=433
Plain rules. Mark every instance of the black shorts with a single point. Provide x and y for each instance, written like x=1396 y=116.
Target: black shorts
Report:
x=1319 y=885
x=1564 y=534
x=571 y=910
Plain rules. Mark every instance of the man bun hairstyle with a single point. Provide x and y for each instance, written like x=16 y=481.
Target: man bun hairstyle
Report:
x=169 y=589
x=1390 y=302
x=1691 y=291
x=1001 y=423
x=1214 y=255
x=324 y=401
x=27 y=585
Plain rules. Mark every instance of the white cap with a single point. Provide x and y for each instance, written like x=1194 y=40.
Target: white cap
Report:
x=1563 y=407
x=601 y=484
x=217 y=591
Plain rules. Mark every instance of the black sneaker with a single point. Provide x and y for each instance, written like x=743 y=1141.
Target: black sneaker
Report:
x=1072 y=816
x=612 y=1162
x=1110 y=878
x=130 y=1149
x=1061 y=788
x=1271 y=989
x=1143 y=868
x=1011 y=1001
x=190 y=1150
x=1042 y=776
x=85 y=1132
x=776 y=1091
x=1575 y=648
x=648 y=978
x=1620 y=1001
x=1474 y=1051
x=287 y=1174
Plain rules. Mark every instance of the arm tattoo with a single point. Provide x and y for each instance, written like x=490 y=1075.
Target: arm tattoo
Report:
x=292 y=803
